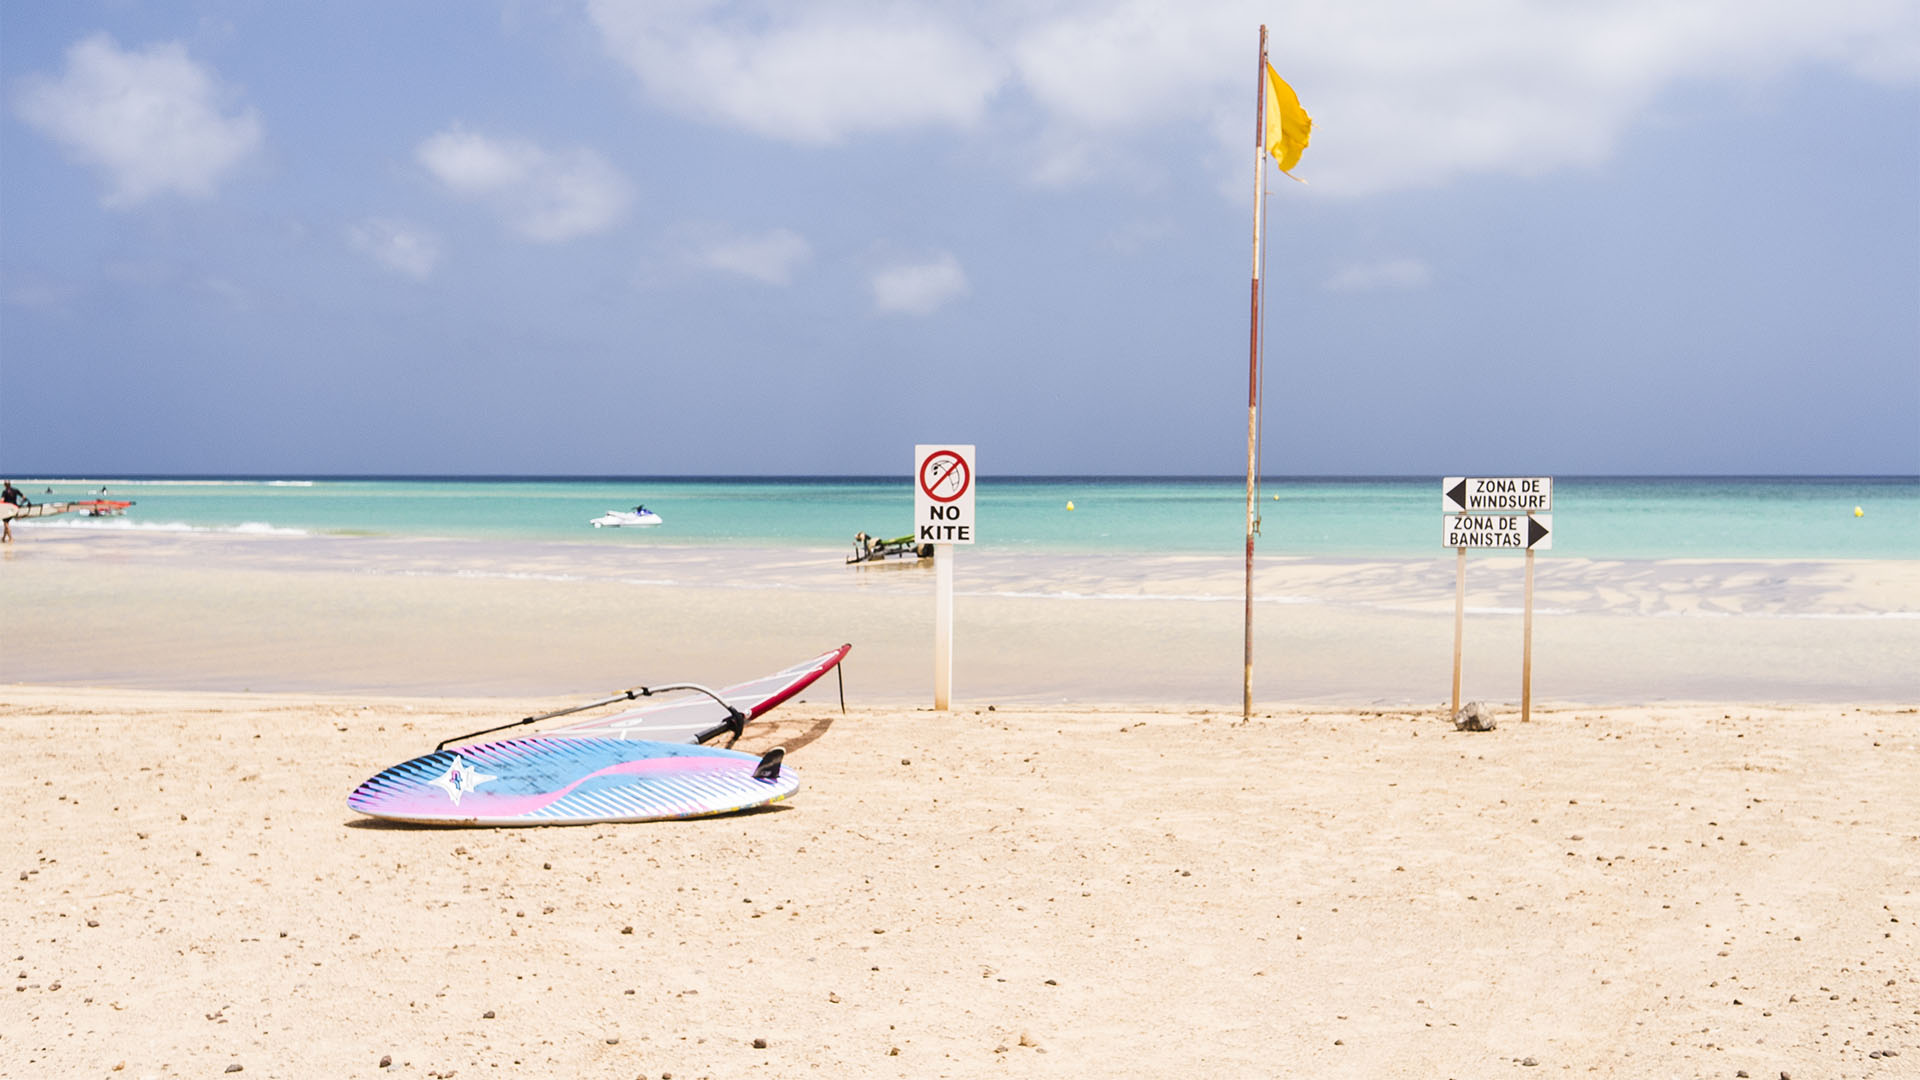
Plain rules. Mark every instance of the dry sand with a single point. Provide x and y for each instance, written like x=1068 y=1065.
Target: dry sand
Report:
x=1632 y=891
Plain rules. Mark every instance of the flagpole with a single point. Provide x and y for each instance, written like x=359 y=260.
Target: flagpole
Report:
x=1253 y=355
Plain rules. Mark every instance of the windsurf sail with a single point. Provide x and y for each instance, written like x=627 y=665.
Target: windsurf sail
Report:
x=89 y=507
x=685 y=718
x=698 y=715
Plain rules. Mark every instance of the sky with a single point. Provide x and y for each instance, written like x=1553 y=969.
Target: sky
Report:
x=588 y=237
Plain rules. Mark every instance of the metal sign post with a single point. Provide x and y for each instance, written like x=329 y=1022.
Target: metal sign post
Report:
x=943 y=486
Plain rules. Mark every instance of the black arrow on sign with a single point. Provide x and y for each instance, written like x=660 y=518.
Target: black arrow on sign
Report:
x=1459 y=494
x=1535 y=531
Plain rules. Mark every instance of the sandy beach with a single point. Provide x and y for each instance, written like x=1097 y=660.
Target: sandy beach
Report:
x=389 y=386
x=1700 y=858
x=1654 y=891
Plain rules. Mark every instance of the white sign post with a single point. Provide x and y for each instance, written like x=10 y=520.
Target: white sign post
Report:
x=1496 y=512
x=943 y=486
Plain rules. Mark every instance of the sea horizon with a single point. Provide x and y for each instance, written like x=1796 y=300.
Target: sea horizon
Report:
x=1604 y=517
x=52 y=477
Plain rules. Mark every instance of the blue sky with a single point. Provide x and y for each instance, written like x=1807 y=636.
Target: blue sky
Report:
x=757 y=238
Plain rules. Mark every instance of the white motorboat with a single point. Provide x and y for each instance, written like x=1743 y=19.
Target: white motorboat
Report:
x=639 y=515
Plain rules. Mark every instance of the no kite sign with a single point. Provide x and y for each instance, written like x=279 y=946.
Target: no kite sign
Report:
x=943 y=483
x=943 y=494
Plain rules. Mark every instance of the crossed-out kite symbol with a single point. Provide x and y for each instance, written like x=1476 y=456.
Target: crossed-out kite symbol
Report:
x=944 y=476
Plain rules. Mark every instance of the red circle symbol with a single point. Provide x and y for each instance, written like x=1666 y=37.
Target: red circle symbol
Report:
x=944 y=476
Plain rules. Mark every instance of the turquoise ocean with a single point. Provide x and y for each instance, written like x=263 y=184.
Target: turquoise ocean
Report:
x=1593 y=517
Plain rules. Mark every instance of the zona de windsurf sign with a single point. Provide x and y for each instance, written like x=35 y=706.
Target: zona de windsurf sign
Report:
x=1499 y=512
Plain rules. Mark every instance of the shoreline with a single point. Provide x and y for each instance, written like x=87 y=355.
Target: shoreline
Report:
x=81 y=530
x=1796 y=587
x=823 y=698
x=434 y=618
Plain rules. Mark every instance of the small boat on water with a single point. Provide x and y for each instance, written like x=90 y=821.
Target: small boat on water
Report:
x=639 y=515
x=867 y=549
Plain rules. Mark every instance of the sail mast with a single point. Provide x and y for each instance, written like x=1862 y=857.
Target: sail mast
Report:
x=1253 y=355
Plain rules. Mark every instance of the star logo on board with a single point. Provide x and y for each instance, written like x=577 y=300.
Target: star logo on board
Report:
x=460 y=778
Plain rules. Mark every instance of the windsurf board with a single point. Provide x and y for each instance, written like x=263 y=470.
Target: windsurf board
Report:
x=573 y=781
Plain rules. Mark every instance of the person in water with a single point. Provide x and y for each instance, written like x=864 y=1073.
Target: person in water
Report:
x=12 y=496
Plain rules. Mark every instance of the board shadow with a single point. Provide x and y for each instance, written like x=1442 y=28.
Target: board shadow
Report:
x=381 y=825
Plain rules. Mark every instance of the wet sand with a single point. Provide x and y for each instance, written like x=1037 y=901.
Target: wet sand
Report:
x=365 y=615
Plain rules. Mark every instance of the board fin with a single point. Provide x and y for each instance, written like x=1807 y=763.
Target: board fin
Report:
x=769 y=767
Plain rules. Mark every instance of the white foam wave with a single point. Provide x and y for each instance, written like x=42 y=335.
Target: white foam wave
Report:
x=120 y=524
x=472 y=574
x=112 y=525
x=1837 y=615
x=94 y=484
x=1472 y=609
x=516 y=575
x=1195 y=598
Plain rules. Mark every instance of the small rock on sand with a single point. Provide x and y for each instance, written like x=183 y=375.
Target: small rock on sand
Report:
x=1474 y=716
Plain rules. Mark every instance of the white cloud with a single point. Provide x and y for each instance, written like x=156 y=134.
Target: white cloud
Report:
x=397 y=245
x=1108 y=68
x=1405 y=93
x=771 y=257
x=543 y=195
x=810 y=74
x=919 y=288
x=1385 y=274
x=150 y=119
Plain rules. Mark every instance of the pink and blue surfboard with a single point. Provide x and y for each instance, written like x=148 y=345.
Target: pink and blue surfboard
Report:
x=573 y=781
x=640 y=765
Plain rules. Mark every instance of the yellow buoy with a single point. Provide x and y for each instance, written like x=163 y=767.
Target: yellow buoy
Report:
x=1857 y=512
x=1069 y=504
x=1276 y=498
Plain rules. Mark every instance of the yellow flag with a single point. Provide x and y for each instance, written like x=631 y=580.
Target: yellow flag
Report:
x=1288 y=125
